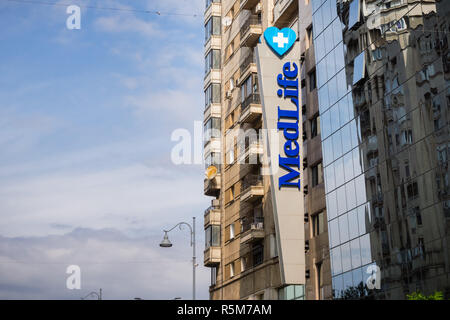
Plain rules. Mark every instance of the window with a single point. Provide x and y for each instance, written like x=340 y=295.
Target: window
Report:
x=315 y=126
x=209 y=2
x=318 y=223
x=418 y=216
x=232 y=270
x=212 y=60
x=359 y=67
x=213 y=159
x=312 y=80
x=273 y=246
x=212 y=27
x=249 y=86
x=244 y=263
x=319 y=279
x=292 y=292
x=212 y=236
x=232 y=192
x=212 y=94
x=412 y=190
x=407 y=172
x=317 y=174
x=232 y=231
x=211 y=129
x=258 y=254
x=353 y=16
x=309 y=34
x=213 y=276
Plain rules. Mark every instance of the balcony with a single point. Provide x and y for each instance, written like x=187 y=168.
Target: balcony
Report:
x=248 y=67
x=252 y=152
x=211 y=256
x=251 y=109
x=372 y=144
x=214 y=42
x=252 y=187
x=213 y=76
x=251 y=30
x=213 y=110
x=212 y=187
x=212 y=214
x=248 y=4
x=283 y=10
x=214 y=9
x=253 y=231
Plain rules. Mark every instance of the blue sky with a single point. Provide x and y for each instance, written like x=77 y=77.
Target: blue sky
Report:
x=86 y=118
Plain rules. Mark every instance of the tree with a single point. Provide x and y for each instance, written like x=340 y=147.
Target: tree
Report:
x=438 y=295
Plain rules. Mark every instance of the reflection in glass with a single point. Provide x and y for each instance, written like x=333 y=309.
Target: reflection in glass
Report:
x=334 y=233
x=329 y=178
x=346 y=138
x=359 y=68
x=336 y=258
x=356 y=253
x=360 y=186
x=366 y=254
x=337 y=145
x=339 y=171
x=350 y=193
x=341 y=200
x=354 y=13
x=343 y=228
x=353 y=224
x=331 y=205
x=345 y=257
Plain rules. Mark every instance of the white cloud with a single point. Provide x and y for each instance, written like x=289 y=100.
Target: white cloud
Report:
x=128 y=23
x=124 y=267
x=130 y=197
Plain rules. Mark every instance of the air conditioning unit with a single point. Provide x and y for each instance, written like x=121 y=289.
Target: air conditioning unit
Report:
x=228 y=94
x=258 y=8
x=232 y=84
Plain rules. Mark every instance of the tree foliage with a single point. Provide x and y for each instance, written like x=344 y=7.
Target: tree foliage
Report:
x=438 y=295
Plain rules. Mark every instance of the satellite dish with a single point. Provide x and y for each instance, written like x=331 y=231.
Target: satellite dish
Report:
x=211 y=172
x=226 y=21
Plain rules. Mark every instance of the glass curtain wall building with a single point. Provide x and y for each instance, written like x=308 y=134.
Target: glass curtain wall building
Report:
x=383 y=88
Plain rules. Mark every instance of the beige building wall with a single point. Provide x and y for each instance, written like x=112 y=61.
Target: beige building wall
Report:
x=241 y=195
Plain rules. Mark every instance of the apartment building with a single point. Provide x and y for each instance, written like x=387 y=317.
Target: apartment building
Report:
x=382 y=72
x=318 y=268
x=240 y=225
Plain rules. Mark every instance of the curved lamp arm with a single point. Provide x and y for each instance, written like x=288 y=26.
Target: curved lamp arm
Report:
x=180 y=225
x=92 y=293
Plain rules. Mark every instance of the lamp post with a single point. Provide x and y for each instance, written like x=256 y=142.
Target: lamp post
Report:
x=93 y=293
x=165 y=243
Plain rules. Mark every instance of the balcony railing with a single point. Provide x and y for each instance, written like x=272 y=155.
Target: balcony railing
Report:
x=211 y=256
x=251 y=30
x=257 y=223
x=253 y=231
x=252 y=180
x=247 y=62
x=248 y=4
x=251 y=21
x=253 y=98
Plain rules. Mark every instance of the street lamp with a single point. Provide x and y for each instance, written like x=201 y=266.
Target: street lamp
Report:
x=165 y=243
x=93 y=293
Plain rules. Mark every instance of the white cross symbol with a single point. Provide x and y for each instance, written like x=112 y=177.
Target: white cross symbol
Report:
x=280 y=40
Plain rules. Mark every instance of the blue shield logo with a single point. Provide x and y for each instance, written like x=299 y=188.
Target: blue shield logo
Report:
x=280 y=40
